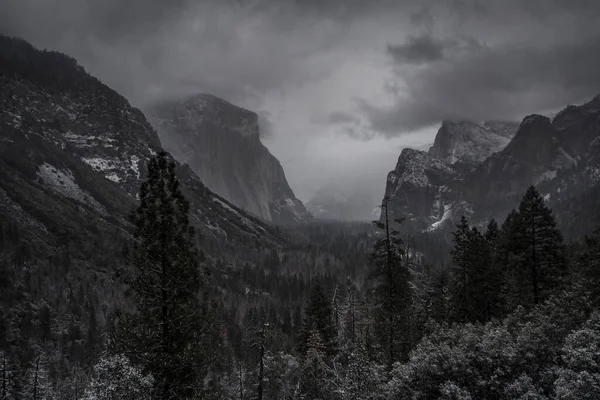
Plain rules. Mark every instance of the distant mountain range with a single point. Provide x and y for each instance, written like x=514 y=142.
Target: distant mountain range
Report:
x=481 y=170
x=73 y=153
x=221 y=144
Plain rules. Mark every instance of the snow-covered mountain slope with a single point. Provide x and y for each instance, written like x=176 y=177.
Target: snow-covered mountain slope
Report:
x=74 y=152
x=560 y=156
x=221 y=143
x=471 y=142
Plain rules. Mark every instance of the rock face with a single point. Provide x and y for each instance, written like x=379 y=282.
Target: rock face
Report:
x=417 y=189
x=221 y=143
x=73 y=153
x=469 y=142
x=560 y=156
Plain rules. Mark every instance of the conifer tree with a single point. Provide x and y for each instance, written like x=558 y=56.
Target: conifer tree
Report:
x=471 y=291
x=314 y=369
x=440 y=282
x=590 y=267
x=493 y=279
x=352 y=315
x=318 y=318
x=462 y=273
x=391 y=294
x=545 y=251
x=508 y=257
x=165 y=331
x=536 y=253
x=480 y=288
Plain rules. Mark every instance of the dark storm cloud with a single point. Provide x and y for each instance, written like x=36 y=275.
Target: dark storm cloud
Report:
x=107 y=20
x=449 y=58
x=417 y=50
x=530 y=65
x=340 y=117
x=499 y=83
x=145 y=48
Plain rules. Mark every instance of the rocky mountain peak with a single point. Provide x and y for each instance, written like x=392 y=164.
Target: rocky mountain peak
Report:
x=417 y=188
x=561 y=156
x=533 y=123
x=196 y=112
x=221 y=143
x=418 y=168
x=579 y=125
x=467 y=142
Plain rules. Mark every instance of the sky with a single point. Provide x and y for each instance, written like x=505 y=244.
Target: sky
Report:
x=341 y=86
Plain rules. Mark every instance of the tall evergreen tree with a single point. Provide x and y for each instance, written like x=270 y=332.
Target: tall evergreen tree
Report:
x=543 y=251
x=314 y=370
x=391 y=294
x=352 y=315
x=590 y=267
x=493 y=278
x=480 y=288
x=441 y=282
x=509 y=252
x=165 y=331
x=462 y=273
x=471 y=290
x=318 y=318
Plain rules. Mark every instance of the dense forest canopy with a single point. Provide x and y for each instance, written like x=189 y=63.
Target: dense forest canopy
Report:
x=346 y=311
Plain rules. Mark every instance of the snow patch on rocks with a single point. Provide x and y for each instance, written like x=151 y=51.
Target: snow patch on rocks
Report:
x=63 y=183
x=445 y=217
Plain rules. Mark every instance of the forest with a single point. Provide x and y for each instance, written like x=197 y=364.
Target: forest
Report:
x=343 y=311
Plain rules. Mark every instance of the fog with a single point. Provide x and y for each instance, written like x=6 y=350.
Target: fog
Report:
x=341 y=86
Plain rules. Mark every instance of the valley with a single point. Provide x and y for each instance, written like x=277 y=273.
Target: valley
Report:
x=484 y=284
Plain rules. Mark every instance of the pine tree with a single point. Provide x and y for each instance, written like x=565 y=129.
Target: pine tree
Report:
x=480 y=287
x=314 y=369
x=542 y=252
x=353 y=322
x=164 y=334
x=590 y=267
x=441 y=282
x=471 y=293
x=462 y=273
x=391 y=294
x=508 y=257
x=318 y=317
x=493 y=279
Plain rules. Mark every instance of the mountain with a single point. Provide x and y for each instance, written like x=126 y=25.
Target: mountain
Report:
x=418 y=187
x=536 y=154
x=343 y=203
x=560 y=156
x=470 y=142
x=221 y=143
x=73 y=153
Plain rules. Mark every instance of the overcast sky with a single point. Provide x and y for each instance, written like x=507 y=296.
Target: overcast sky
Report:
x=343 y=85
